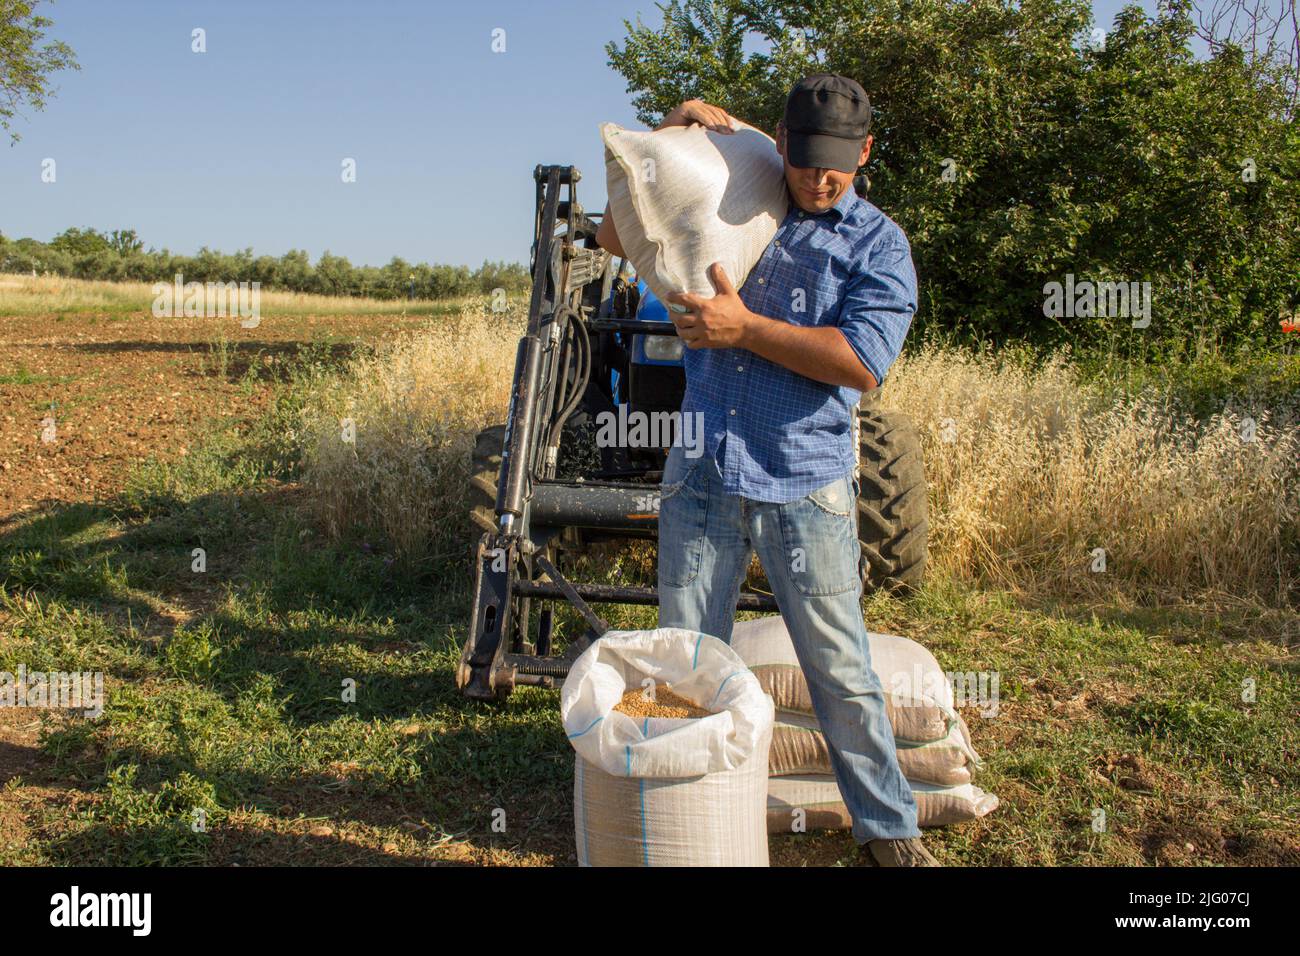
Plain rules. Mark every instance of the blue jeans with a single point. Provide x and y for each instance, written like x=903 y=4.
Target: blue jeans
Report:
x=809 y=550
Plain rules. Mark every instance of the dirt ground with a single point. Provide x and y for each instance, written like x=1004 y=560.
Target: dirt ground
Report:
x=121 y=390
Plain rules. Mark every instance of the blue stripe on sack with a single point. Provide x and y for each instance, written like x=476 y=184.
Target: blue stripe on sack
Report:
x=629 y=760
x=696 y=659
x=645 y=728
x=582 y=802
x=722 y=685
x=645 y=842
x=592 y=724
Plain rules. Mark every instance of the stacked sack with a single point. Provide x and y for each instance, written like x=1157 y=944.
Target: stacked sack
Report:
x=932 y=741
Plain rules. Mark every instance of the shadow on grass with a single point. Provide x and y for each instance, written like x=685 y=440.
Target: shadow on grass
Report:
x=174 y=845
x=242 y=686
x=1232 y=622
x=270 y=596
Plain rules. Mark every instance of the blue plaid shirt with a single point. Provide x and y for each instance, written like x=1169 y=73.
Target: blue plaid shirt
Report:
x=777 y=435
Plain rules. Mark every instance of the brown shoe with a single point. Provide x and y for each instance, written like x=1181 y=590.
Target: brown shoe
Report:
x=909 y=852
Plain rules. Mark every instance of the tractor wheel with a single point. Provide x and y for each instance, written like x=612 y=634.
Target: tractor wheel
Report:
x=893 y=514
x=485 y=466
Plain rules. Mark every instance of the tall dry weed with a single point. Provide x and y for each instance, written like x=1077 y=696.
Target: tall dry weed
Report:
x=42 y=295
x=1033 y=476
x=1031 y=473
x=414 y=406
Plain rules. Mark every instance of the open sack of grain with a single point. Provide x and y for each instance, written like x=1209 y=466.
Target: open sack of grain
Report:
x=931 y=739
x=685 y=197
x=672 y=790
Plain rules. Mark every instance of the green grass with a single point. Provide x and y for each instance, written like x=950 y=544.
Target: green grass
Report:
x=226 y=695
x=24 y=376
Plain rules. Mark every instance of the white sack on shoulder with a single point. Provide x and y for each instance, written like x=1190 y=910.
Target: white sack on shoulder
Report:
x=701 y=668
x=685 y=197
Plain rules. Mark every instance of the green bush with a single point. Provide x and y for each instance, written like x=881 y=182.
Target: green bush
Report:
x=191 y=652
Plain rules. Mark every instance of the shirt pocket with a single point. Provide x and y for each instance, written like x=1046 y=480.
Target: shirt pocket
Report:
x=815 y=272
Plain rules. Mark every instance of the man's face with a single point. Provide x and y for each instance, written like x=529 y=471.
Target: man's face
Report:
x=813 y=189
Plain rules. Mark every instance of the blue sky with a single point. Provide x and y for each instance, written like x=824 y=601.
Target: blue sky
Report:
x=243 y=145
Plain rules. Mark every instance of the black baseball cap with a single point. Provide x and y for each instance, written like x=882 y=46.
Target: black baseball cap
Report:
x=827 y=118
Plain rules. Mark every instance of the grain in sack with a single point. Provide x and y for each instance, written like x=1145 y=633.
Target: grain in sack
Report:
x=667 y=791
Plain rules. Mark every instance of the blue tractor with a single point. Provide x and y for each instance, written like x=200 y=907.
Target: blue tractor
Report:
x=547 y=483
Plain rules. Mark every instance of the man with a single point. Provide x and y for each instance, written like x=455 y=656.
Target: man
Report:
x=777 y=371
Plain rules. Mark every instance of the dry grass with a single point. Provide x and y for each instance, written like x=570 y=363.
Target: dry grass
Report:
x=39 y=295
x=416 y=405
x=1030 y=471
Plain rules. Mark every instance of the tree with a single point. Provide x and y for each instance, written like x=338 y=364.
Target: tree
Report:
x=125 y=242
x=1267 y=31
x=26 y=62
x=1016 y=144
x=80 y=242
x=333 y=275
x=294 y=271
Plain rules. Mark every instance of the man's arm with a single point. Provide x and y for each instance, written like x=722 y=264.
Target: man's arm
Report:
x=857 y=353
x=697 y=111
x=879 y=305
x=607 y=235
x=820 y=353
x=691 y=111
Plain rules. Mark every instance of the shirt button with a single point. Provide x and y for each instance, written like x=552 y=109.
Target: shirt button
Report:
x=733 y=411
x=801 y=215
x=740 y=368
x=778 y=243
x=760 y=280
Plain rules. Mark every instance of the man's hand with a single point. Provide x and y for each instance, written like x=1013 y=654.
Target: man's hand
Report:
x=721 y=322
x=698 y=111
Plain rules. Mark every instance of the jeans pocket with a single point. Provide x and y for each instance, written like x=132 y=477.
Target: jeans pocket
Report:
x=838 y=497
x=683 y=520
x=678 y=473
x=819 y=533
